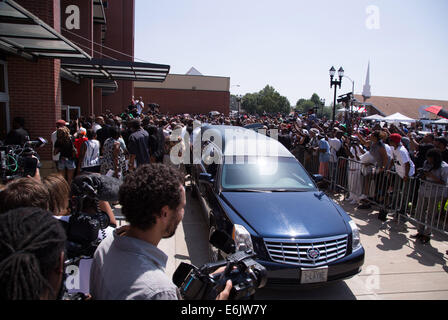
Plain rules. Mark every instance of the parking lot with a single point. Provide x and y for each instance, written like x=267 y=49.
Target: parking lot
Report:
x=396 y=267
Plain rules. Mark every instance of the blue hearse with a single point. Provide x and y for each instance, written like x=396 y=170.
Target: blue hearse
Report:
x=253 y=189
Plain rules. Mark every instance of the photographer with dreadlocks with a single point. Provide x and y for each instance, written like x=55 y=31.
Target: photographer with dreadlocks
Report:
x=32 y=247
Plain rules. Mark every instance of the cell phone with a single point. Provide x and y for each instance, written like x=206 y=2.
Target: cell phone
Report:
x=30 y=166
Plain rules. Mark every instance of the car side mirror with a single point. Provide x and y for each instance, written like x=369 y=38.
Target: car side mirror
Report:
x=318 y=178
x=206 y=178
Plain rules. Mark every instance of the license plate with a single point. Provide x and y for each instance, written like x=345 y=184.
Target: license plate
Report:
x=314 y=275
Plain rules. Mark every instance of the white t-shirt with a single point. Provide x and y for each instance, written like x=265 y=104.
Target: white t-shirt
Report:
x=389 y=151
x=96 y=127
x=401 y=157
x=92 y=155
x=354 y=164
x=335 y=145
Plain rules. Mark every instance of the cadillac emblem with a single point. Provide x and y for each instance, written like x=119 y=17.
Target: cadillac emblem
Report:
x=313 y=254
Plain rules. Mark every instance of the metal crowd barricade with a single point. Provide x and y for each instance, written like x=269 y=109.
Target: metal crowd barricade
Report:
x=308 y=158
x=428 y=206
x=423 y=203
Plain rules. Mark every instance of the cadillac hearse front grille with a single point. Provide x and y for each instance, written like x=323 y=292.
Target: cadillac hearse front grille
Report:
x=307 y=252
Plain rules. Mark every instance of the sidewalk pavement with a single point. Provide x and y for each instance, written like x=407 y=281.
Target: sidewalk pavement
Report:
x=395 y=267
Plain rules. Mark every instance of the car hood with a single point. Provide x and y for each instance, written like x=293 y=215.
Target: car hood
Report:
x=288 y=214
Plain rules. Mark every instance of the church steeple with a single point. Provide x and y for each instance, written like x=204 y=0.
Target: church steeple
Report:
x=366 y=94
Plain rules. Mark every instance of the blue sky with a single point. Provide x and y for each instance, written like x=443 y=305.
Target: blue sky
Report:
x=291 y=44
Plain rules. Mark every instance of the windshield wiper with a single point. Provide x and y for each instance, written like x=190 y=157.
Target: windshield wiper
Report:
x=288 y=190
x=248 y=190
x=267 y=191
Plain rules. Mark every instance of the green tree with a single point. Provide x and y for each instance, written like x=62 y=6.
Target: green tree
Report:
x=316 y=99
x=267 y=100
x=304 y=105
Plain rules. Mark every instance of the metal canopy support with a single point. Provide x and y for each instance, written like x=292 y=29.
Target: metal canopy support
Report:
x=115 y=70
x=25 y=34
x=99 y=15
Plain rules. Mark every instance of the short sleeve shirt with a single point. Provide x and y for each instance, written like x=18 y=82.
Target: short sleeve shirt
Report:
x=325 y=156
x=401 y=157
x=335 y=145
x=434 y=190
x=139 y=146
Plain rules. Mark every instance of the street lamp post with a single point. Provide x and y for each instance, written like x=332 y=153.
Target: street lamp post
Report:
x=335 y=83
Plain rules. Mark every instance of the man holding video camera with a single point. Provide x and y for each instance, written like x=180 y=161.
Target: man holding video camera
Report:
x=128 y=265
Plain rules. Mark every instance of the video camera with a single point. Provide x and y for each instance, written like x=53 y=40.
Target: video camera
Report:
x=246 y=275
x=87 y=220
x=345 y=98
x=19 y=161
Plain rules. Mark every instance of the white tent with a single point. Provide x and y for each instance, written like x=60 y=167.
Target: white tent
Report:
x=441 y=121
x=398 y=117
x=376 y=117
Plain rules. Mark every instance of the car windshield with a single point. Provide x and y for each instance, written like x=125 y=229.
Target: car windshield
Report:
x=274 y=174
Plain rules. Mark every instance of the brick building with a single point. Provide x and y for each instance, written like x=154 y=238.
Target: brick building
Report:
x=64 y=58
x=187 y=93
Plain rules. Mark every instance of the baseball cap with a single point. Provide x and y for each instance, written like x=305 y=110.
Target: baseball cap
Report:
x=61 y=123
x=82 y=131
x=395 y=137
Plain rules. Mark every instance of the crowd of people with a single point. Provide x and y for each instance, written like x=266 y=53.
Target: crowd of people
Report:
x=135 y=148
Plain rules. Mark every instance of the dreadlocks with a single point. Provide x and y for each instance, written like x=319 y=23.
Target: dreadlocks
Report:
x=31 y=242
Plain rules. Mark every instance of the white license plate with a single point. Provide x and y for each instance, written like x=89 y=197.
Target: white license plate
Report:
x=314 y=275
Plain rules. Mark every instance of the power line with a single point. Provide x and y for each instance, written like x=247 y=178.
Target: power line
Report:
x=86 y=47
x=103 y=46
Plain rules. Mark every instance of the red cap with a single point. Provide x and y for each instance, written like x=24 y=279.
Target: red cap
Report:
x=61 y=123
x=395 y=137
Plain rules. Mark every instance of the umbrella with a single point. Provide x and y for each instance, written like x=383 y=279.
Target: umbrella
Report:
x=438 y=110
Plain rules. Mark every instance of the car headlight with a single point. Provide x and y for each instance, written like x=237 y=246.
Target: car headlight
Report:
x=356 y=240
x=242 y=239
